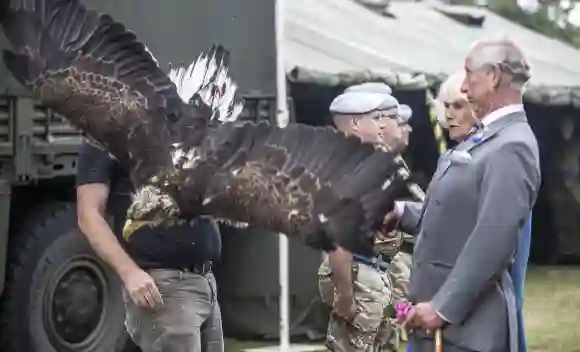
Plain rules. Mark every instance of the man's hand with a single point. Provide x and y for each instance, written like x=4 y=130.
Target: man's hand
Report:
x=340 y=262
x=345 y=307
x=424 y=316
x=142 y=289
x=390 y=222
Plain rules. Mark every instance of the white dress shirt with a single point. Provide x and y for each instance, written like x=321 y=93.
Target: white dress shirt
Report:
x=501 y=112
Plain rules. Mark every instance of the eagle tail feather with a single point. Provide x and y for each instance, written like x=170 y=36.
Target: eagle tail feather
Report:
x=27 y=29
x=21 y=65
x=207 y=79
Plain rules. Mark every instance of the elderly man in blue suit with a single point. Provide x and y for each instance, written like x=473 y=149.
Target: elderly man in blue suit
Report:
x=453 y=109
x=518 y=275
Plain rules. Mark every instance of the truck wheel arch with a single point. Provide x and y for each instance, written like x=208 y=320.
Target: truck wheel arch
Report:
x=58 y=295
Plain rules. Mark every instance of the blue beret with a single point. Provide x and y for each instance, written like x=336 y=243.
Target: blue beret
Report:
x=389 y=102
x=360 y=102
x=356 y=103
x=405 y=112
x=370 y=87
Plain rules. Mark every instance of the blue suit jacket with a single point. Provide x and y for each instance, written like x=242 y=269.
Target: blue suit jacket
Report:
x=518 y=276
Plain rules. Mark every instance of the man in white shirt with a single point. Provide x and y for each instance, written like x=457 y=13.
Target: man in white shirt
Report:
x=477 y=203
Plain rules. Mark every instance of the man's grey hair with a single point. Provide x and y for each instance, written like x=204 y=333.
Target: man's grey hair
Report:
x=505 y=54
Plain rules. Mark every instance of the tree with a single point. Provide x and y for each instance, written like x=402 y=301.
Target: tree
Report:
x=549 y=17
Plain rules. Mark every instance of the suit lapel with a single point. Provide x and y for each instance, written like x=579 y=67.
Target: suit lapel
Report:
x=493 y=129
x=445 y=163
x=477 y=139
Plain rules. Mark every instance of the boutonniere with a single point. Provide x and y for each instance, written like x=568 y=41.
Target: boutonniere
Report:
x=459 y=157
x=445 y=155
x=477 y=136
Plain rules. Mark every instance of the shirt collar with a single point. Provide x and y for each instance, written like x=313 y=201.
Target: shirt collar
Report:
x=501 y=112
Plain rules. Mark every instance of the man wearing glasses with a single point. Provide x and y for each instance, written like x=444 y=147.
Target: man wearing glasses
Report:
x=357 y=285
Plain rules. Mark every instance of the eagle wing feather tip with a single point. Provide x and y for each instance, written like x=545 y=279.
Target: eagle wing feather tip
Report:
x=387 y=183
x=207 y=77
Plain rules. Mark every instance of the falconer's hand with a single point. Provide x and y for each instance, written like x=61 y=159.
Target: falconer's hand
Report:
x=142 y=289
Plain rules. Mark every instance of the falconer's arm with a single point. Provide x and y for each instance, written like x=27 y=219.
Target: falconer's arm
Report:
x=93 y=187
x=340 y=262
x=510 y=180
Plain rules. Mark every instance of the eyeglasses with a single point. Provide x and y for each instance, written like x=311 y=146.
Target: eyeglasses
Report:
x=382 y=117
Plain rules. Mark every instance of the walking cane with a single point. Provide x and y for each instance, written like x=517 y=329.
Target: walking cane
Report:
x=404 y=335
x=438 y=340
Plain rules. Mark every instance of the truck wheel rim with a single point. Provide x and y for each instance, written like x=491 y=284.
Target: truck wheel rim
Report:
x=75 y=303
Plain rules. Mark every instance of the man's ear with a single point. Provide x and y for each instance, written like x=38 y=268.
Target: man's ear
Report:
x=496 y=76
x=353 y=122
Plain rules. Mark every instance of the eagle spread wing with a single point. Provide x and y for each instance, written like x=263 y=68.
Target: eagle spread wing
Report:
x=95 y=72
x=298 y=180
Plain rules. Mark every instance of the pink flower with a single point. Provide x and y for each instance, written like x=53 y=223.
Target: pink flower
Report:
x=402 y=309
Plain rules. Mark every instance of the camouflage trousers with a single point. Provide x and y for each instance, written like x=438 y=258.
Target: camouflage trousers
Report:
x=371 y=329
x=399 y=273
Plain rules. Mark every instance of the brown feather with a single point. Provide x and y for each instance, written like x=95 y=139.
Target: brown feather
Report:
x=89 y=68
x=265 y=176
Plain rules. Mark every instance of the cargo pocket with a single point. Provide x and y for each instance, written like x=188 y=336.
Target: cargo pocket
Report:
x=372 y=295
x=369 y=315
x=326 y=290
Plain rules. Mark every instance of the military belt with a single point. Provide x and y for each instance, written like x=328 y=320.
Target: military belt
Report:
x=202 y=268
x=376 y=262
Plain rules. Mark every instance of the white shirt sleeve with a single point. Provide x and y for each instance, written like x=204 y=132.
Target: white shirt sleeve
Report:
x=399 y=208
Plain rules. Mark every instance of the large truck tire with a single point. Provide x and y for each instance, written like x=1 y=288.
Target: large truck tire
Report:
x=58 y=295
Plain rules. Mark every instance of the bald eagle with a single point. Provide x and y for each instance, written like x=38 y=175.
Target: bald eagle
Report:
x=178 y=136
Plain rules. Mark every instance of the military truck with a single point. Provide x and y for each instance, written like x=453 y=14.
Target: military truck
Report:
x=55 y=291
x=56 y=295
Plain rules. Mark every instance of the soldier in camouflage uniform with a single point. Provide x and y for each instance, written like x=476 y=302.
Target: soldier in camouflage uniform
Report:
x=400 y=267
x=370 y=327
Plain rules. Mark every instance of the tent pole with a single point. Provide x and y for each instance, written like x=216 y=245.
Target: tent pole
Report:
x=282 y=118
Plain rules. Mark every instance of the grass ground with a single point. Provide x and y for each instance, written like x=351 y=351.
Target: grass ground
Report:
x=552 y=311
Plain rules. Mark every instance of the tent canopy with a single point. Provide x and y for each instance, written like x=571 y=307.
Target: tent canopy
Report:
x=343 y=41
